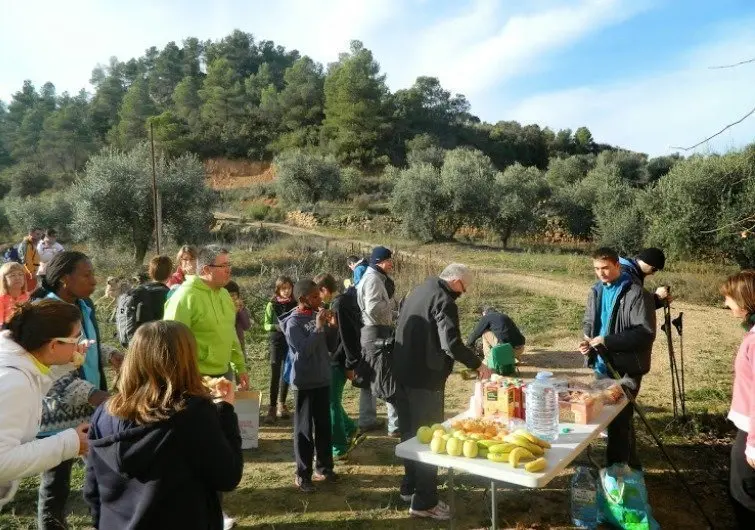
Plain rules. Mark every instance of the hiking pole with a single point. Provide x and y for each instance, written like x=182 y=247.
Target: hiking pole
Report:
x=601 y=351
x=666 y=327
x=679 y=325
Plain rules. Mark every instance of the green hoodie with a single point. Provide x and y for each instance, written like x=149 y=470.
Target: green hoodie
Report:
x=211 y=316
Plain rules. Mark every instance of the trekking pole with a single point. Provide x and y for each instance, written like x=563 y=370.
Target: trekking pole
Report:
x=601 y=351
x=679 y=325
x=666 y=327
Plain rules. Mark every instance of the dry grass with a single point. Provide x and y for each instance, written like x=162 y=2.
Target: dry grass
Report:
x=548 y=308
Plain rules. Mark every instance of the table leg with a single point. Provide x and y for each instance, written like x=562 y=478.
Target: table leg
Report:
x=451 y=498
x=493 y=506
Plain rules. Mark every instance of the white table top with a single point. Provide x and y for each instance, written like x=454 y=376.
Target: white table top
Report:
x=564 y=450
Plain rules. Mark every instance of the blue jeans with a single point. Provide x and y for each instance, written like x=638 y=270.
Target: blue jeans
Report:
x=368 y=411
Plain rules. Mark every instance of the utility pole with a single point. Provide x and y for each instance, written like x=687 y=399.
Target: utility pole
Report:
x=155 y=199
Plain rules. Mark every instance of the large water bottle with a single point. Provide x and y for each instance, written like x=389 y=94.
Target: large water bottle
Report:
x=541 y=410
x=584 y=499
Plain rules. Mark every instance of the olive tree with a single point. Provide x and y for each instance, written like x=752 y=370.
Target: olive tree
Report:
x=517 y=200
x=112 y=200
x=304 y=178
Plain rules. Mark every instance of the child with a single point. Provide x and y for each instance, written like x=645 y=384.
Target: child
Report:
x=243 y=320
x=739 y=294
x=47 y=248
x=343 y=428
x=279 y=305
x=186 y=265
x=160 y=450
x=310 y=376
x=12 y=289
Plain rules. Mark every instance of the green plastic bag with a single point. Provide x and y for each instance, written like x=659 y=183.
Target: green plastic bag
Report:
x=623 y=499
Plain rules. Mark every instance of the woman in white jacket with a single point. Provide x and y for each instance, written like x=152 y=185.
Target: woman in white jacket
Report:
x=42 y=340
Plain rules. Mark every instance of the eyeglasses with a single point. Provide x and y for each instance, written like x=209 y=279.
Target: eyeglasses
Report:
x=223 y=266
x=463 y=287
x=71 y=340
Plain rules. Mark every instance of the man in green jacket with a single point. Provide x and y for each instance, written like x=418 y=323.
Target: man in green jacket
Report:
x=205 y=306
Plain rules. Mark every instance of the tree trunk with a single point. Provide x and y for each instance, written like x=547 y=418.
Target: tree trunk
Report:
x=505 y=234
x=140 y=251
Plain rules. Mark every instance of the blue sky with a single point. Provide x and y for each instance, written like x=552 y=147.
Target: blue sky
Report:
x=636 y=72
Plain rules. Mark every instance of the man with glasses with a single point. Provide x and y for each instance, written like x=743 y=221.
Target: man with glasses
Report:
x=428 y=342
x=647 y=263
x=202 y=303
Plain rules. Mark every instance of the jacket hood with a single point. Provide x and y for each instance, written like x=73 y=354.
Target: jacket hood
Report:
x=129 y=449
x=12 y=355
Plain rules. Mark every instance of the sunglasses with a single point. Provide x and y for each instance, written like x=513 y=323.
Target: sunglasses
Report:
x=71 y=340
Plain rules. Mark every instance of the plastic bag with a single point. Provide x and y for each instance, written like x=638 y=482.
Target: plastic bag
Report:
x=623 y=499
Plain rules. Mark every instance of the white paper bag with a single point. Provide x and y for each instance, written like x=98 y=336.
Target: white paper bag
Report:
x=248 y=411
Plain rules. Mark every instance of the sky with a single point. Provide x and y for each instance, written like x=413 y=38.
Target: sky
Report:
x=637 y=73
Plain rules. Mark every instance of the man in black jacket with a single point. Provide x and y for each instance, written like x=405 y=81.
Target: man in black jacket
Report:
x=428 y=341
x=620 y=316
x=496 y=328
x=644 y=264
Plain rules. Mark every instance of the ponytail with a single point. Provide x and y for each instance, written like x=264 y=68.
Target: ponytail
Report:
x=34 y=324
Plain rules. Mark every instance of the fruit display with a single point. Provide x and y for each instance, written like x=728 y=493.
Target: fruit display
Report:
x=470 y=438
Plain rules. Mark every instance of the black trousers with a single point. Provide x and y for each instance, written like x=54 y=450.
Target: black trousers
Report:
x=417 y=407
x=278 y=352
x=312 y=410
x=54 y=488
x=622 y=439
x=742 y=484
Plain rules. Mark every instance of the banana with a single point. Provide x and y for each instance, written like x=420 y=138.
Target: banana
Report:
x=501 y=448
x=482 y=452
x=488 y=443
x=501 y=458
x=532 y=438
x=537 y=465
x=517 y=454
x=525 y=443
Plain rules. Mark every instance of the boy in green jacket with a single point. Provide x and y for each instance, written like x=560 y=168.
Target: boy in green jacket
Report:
x=207 y=309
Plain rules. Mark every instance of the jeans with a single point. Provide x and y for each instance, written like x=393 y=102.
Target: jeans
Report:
x=742 y=484
x=621 y=447
x=417 y=407
x=278 y=387
x=54 y=488
x=342 y=427
x=368 y=411
x=312 y=410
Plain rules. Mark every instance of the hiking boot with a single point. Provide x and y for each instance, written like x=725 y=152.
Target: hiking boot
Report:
x=270 y=417
x=439 y=512
x=328 y=476
x=304 y=485
x=283 y=412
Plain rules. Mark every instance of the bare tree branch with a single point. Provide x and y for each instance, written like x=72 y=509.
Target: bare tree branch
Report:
x=740 y=63
x=747 y=219
x=698 y=144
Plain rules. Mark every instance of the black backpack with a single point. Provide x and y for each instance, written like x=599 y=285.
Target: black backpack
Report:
x=141 y=304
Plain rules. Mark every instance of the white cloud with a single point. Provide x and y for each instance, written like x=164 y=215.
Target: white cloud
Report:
x=489 y=44
x=653 y=113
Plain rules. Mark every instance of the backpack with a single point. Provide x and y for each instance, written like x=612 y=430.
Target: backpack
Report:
x=141 y=304
x=11 y=255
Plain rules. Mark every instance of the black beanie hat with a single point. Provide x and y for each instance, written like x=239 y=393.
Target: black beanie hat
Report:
x=380 y=254
x=653 y=257
x=303 y=288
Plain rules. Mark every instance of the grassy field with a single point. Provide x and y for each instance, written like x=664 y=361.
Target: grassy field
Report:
x=543 y=293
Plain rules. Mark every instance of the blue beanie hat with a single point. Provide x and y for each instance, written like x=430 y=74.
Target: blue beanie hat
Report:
x=380 y=254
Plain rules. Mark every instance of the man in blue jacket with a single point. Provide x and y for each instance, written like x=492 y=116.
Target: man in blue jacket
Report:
x=620 y=316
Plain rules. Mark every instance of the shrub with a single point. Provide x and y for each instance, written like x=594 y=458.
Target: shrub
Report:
x=351 y=181
x=420 y=202
x=305 y=178
x=517 y=197
x=49 y=210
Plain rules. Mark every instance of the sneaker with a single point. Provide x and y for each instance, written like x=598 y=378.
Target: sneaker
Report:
x=440 y=512
x=228 y=522
x=304 y=485
x=328 y=476
x=283 y=412
x=270 y=417
x=377 y=426
x=406 y=498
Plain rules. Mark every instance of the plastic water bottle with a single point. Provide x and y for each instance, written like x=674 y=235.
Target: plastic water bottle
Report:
x=541 y=410
x=584 y=499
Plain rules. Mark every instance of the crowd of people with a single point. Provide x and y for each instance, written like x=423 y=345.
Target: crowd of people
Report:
x=163 y=444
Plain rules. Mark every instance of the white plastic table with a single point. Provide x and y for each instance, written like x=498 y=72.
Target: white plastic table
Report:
x=563 y=451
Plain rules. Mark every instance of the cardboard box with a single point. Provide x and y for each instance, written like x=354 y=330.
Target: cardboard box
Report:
x=502 y=400
x=580 y=413
x=248 y=411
